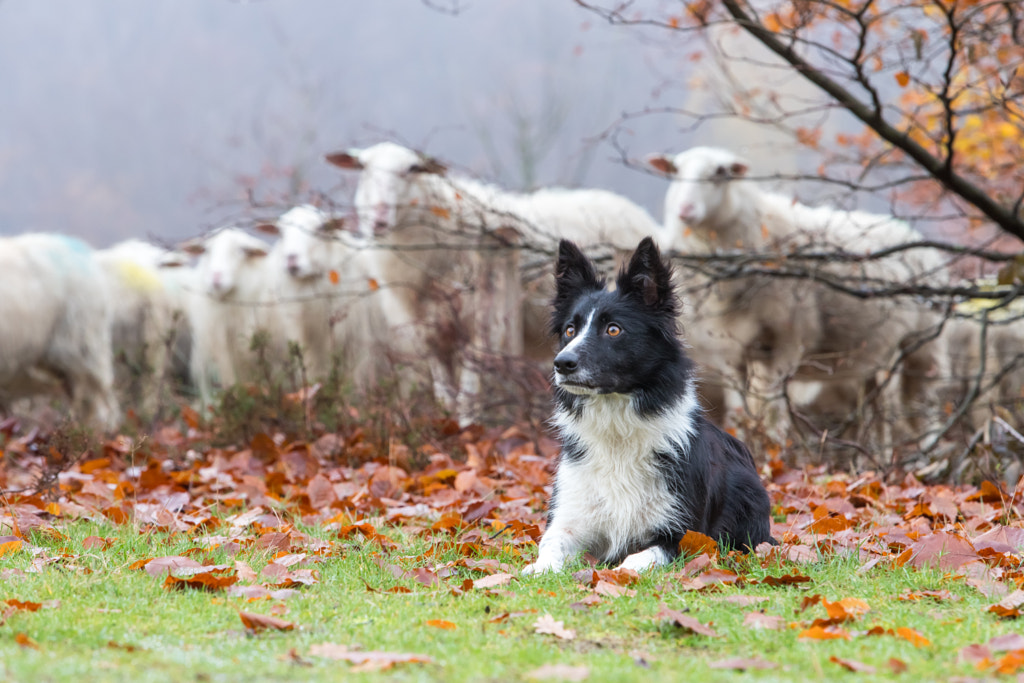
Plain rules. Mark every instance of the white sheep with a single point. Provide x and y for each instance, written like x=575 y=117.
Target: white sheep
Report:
x=228 y=308
x=321 y=280
x=444 y=240
x=55 y=325
x=1001 y=380
x=149 y=321
x=766 y=331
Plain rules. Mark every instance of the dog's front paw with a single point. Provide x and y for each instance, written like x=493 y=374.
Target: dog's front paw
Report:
x=645 y=559
x=540 y=567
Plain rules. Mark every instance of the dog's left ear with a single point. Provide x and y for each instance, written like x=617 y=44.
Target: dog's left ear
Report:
x=648 y=278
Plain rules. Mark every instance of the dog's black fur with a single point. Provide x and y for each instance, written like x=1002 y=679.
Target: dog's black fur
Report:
x=640 y=464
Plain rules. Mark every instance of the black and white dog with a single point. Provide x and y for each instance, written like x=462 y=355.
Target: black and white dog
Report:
x=640 y=464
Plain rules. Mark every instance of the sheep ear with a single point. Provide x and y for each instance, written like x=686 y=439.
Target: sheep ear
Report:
x=348 y=159
x=268 y=229
x=429 y=165
x=661 y=163
x=193 y=247
x=173 y=259
x=738 y=169
x=255 y=252
x=648 y=278
x=333 y=224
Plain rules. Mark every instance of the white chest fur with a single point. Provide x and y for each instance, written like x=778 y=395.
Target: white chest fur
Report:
x=616 y=494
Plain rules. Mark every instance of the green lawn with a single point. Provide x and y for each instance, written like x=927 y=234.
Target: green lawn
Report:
x=103 y=620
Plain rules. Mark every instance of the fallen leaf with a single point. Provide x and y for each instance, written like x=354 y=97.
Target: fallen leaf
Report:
x=25 y=641
x=165 y=565
x=684 y=622
x=547 y=625
x=914 y=637
x=9 y=547
x=852 y=665
x=259 y=622
x=560 y=672
x=1006 y=642
x=208 y=581
x=767 y=621
x=743 y=664
x=442 y=624
x=612 y=590
x=1009 y=607
x=375 y=660
x=897 y=666
x=696 y=543
x=492 y=581
x=824 y=633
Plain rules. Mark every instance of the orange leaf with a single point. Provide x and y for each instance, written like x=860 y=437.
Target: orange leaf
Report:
x=441 y=623
x=903 y=78
x=373 y=284
x=27 y=606
x=824 y=633
x=1011 y=663
x=10 y=547
x=696 y=543
x=25 y=641
x=915 y=638
x=847 y=608
x=334 y=277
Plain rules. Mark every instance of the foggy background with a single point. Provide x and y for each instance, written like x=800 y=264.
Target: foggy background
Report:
x=150 y=119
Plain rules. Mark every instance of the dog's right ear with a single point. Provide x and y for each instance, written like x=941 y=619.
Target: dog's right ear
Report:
x=574 y=275
x=573 y=270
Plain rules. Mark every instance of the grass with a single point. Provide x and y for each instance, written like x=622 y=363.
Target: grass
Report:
x=114 y=623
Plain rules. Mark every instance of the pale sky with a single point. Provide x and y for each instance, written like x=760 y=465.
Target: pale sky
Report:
x=123 y=118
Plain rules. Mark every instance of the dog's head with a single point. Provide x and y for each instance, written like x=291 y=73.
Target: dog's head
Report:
x=621 y=341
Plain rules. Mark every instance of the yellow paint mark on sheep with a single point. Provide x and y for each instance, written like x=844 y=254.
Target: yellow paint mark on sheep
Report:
x=138 y=278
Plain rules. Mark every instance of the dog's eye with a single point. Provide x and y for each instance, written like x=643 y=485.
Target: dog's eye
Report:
x=570 y=330
x=614 y=330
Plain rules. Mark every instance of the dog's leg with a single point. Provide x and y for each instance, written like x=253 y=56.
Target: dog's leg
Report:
x=557 y=545
x=655 y=556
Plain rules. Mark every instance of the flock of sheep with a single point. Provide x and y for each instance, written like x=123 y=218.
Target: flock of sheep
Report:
x=441 y=274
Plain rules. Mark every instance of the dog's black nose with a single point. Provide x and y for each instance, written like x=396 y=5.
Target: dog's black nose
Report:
x=566 y=363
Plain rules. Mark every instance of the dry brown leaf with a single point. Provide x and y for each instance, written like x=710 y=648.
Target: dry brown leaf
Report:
x=547 y=625
x=492 y=581
x=559 y=672
x=374 y=660
x=743 y=664
x=767 y=621
x=161 y=566
x=612 y=590
x=853 y=665
x=685 y=622
x=260 y=622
